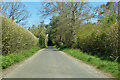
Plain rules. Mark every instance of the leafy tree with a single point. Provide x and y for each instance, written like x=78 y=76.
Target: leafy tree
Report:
x=40 y=32
x=70 y=15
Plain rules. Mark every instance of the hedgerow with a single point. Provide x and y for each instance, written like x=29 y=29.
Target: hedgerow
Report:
x=99 y=40
x=16 y=38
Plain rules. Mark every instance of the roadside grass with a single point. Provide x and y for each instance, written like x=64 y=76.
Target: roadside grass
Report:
x=107 y=66
x=17 y=57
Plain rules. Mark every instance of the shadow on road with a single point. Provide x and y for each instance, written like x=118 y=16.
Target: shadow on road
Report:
x=56 y=50
x=52 y=48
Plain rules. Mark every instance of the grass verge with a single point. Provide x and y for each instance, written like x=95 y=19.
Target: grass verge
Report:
x=17 y=57
x=107 y=66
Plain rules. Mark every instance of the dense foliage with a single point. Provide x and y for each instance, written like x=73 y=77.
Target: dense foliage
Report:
x=101 y=41
x=16 y=38
x=40 y=32
x=96 y=40
x=77 y=31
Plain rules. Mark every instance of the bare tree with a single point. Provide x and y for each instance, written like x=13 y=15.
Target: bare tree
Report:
x=107 y=10
x=16 y=11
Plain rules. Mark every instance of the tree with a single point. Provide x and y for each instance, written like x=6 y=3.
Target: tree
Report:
x=16 y=11
x=69 y=16
x=40 y=32
x=108 y=13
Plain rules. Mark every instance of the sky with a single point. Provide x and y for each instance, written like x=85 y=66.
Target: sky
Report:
x=35 y=18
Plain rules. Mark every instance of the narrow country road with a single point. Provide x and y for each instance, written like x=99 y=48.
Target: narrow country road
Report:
x=52 y=63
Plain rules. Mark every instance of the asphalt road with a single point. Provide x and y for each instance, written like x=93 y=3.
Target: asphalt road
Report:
x=52 y=63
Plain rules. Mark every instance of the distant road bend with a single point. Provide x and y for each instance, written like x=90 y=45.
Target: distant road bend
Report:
x=52 y=63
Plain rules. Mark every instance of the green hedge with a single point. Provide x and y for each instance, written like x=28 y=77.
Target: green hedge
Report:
x=102 y=41
x=16 y=38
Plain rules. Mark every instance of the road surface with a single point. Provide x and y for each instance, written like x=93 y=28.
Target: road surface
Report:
x=52 y=63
